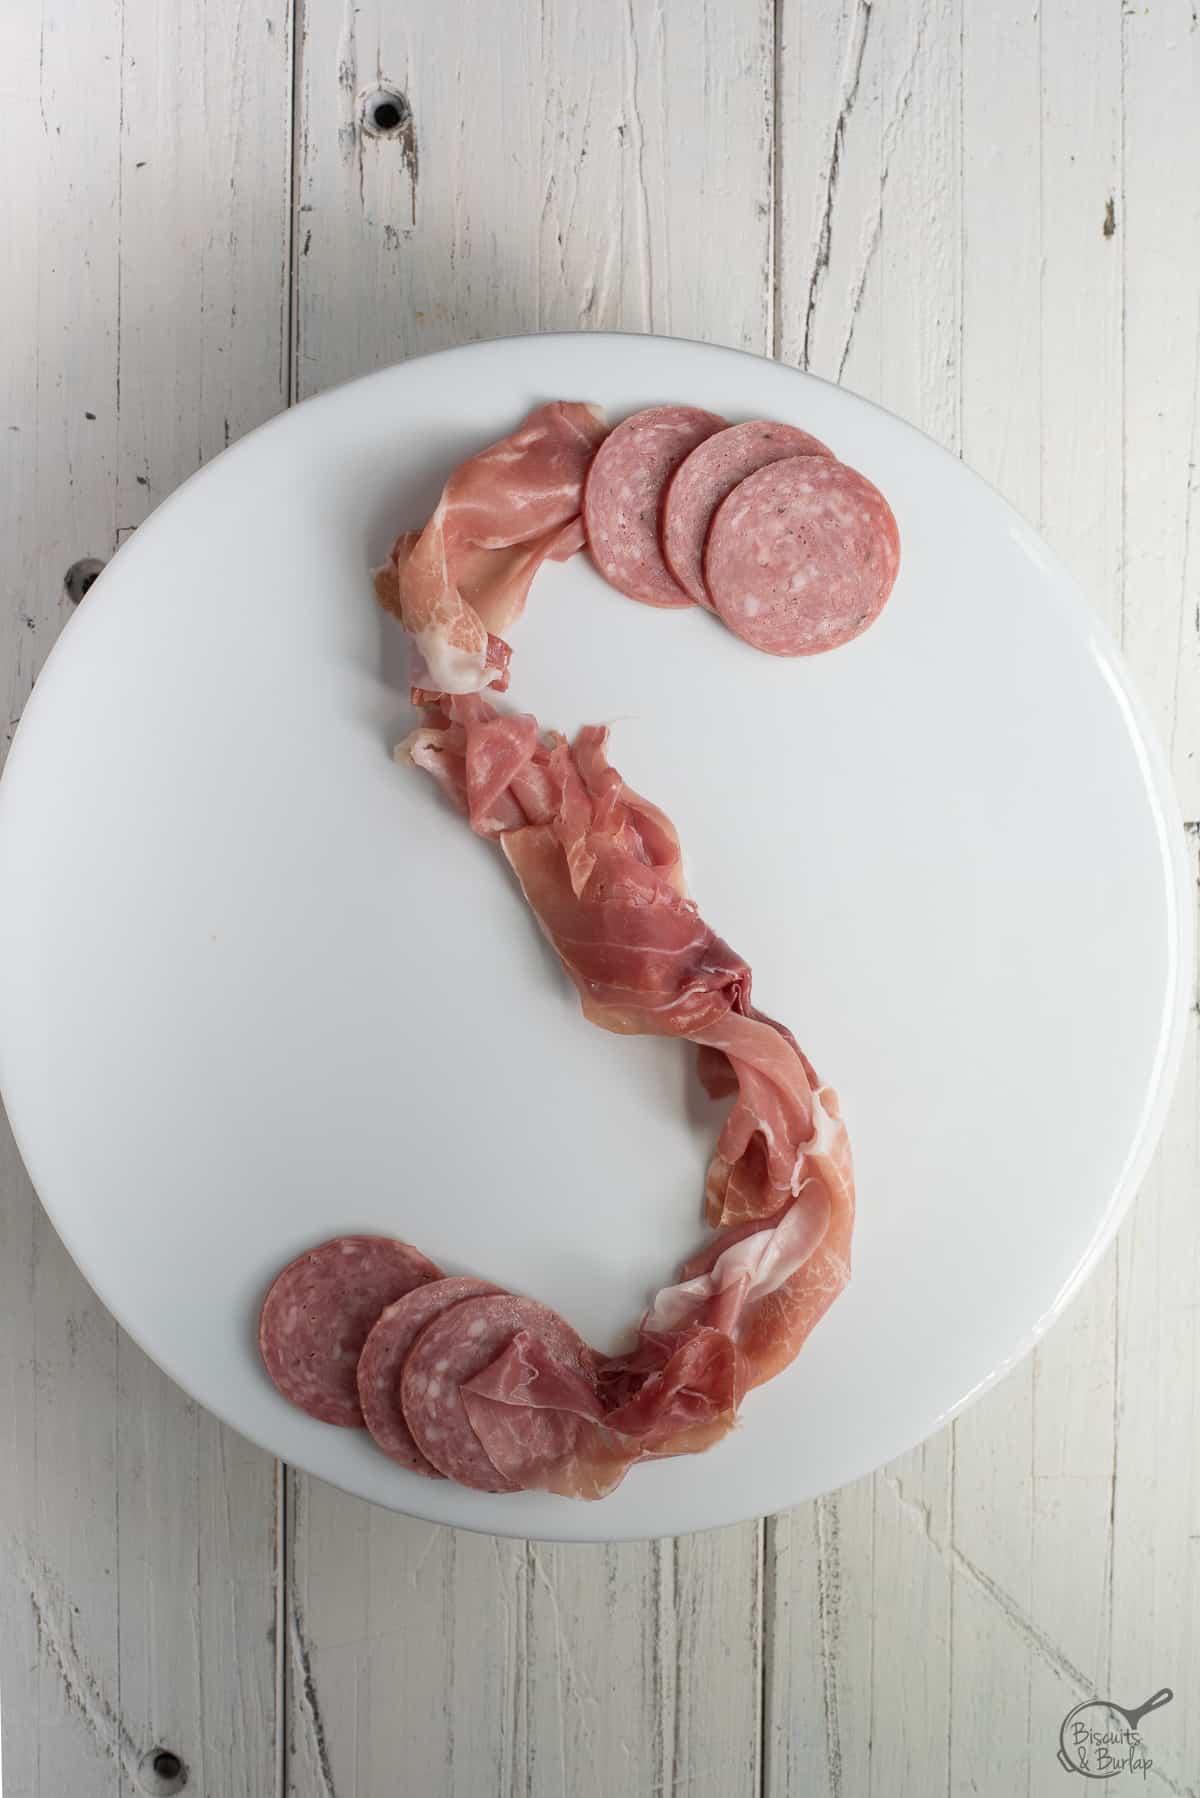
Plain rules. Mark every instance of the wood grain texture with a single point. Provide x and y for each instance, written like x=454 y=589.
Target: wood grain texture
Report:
x=570 y=170
x=145 y=250
x=984 y=217
x=1160 y=241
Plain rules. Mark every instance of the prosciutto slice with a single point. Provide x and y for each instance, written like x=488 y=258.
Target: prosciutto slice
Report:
x=460 y=583
x=602 y=871
x=681 y=1396
x=768 y=1283
x=756 y=1166
x=600 y=866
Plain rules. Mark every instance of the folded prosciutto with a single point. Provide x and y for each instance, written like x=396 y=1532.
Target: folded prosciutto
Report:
x=683 y=1398
x=458 y=584
x=602 y=872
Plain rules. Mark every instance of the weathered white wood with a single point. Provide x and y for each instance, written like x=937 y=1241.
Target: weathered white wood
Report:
x=643 y=1667
x=818 y=1646
x=573 y=168
x=145 y=226
x=58 y=1647
x=1160 y=236
x=407 y=1653
x=565 y=166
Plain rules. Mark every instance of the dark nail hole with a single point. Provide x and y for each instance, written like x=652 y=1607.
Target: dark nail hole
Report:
x=385 y=113
x=80 y=576
x=161 y=1773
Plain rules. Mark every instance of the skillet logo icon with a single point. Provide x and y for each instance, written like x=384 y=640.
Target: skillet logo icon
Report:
x=1100 y=1738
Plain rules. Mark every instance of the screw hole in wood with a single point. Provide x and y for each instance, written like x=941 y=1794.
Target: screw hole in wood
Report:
x=385 y=113
x=79 y=577
x=161 y=1772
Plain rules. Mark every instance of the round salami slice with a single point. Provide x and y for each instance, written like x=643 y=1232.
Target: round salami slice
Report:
x=622 y=498
x=702 y=480
x=452 y=1350
x=801 y=556
x=317 y=1314
x=382 y=1362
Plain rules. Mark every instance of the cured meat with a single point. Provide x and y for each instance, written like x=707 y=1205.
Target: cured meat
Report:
x=461 y=1344
x=623 y=495
x=602 y=872
x=801 y=556
x=318 y=1312
x=703 y=479
x=755 y=1167
x=677 y=1392
x=604 y=881
x=537 y=1418
x=460 y=583
x=768 y=1283
x=382 y=1362
x=498 y=1392
x=676 y=1395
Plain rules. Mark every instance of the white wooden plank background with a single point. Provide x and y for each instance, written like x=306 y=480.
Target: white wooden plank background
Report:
x=985 y=216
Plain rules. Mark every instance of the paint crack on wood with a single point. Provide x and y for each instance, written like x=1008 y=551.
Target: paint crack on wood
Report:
x=917 y=1509
x=829 y=1603
x=920 y=1515
x=577 y=1685
x=891 y=133
x=306 y=1688
x=54 y=1624
x=349 y=134
x=1185 y=563
x=1035 y=1639
x=851 y=76
x=645 y=238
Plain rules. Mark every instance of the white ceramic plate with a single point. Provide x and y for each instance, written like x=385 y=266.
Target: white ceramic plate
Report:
x=259 y=986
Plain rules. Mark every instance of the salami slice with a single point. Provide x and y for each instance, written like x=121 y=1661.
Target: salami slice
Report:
x=622 y=498
x=452 y=1350
x=317 y=1314
x=381 y=1363
x=801 y=556
x=702 y=480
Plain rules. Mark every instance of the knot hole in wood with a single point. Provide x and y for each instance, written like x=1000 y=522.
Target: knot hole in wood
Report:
x=161 y=1772
x=79 y=577
x=386 y=113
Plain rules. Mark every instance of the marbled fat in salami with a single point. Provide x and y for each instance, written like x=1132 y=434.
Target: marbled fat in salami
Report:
x=801 y=556
x=622 y=498
x=702 y=481
x=382 y=1362
x=318 y=1312
x=455 y=1347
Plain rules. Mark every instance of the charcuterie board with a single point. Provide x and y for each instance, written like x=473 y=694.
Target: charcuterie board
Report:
x=254 y=993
